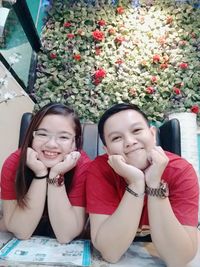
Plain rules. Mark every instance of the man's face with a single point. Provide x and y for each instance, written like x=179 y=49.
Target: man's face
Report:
x=128 y=134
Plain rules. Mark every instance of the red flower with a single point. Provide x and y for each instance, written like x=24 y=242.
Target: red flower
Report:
x=98 y=35
x=111 y=31
x=67 y=24
x=119 y=39
x=154 y=79
x=100 y=74
x=97 y=51
x=53 y=55
x=164 y=66
x=119 y=61
x=156 y=58
x=150 y=90
x=77 y=57
x=70 y=35
x=195 y=109
x=97 y=81
x=177 y=91
x=169 y=20
x=101 y=22
x=120 y=10
x=183 y=65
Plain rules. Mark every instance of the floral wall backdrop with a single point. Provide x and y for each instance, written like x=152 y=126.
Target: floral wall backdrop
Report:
x=97 y=54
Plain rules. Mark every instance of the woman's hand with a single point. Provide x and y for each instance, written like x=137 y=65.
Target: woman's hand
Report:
x=34 y=163
x=69 y=162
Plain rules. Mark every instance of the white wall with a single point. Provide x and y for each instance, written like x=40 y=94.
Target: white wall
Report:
x=10 y=114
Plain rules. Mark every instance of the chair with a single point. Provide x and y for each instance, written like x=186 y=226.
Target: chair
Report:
x=168 y=136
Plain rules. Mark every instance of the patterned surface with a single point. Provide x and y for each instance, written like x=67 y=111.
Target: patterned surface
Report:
x=140 y=254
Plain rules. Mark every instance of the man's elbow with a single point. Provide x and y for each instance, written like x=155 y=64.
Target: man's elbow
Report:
x=111 y=257
x=67 y=237
x=108 y=254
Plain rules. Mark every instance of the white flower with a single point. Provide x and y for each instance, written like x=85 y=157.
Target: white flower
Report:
x=3 y=82
x=14 y=58
x=9 y=95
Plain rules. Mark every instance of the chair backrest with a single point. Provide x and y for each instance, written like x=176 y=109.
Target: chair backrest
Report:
x=168 y=136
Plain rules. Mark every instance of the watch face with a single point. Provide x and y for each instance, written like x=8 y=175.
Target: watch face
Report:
x=60 y=180
x=164 y=190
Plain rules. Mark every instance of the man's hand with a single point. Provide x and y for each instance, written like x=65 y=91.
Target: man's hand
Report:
x=66 y=165
x=158 y=162
x=131 y=174
x=34 y=163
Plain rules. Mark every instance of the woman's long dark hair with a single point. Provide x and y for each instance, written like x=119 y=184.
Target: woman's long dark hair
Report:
x=24 y=174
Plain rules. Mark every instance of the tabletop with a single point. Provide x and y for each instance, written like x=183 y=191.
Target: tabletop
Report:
x=140 y=254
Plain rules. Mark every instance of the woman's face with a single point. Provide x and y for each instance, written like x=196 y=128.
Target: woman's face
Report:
x=54 y=138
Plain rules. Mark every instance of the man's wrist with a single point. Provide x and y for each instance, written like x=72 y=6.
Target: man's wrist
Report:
x=132 y=192
x=161 y=191
x=136 y=189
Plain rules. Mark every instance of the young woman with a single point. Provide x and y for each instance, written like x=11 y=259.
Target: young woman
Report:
x=43 y=183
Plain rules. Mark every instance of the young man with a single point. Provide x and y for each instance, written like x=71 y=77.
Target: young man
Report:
x=137 y=185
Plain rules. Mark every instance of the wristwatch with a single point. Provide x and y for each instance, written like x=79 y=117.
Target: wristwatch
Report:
x=57 y=181
x=162 y=191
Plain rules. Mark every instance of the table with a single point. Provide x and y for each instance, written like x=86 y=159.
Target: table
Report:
x=140 y=254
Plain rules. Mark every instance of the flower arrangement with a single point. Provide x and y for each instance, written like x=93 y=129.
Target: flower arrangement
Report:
x=97 y=55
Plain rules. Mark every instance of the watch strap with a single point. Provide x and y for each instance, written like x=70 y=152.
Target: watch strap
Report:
x=162 y=191
x=57 y=181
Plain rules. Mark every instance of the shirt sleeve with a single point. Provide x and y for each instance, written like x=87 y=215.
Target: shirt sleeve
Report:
x=102 y=188
x=8 y=175
x=184 y=196
x=77 y=195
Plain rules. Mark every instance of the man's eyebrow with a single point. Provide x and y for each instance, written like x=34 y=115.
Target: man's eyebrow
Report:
x=135 y=124
x=112 y=133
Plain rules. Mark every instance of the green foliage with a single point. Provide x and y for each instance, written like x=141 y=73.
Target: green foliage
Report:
x=151 y=57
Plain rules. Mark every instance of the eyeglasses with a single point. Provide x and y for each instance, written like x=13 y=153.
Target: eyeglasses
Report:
x=60 y=138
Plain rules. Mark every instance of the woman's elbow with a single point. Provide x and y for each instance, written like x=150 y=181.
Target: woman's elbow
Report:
x=64 y=240
x=22 y=236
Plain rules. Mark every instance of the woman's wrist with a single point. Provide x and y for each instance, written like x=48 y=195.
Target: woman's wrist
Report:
x=41 y=176
x=58 y=180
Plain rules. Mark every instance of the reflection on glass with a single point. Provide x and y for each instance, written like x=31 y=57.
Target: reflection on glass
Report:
x=14 y=41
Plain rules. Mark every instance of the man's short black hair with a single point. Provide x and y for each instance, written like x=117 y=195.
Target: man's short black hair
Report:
x=113 y=110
